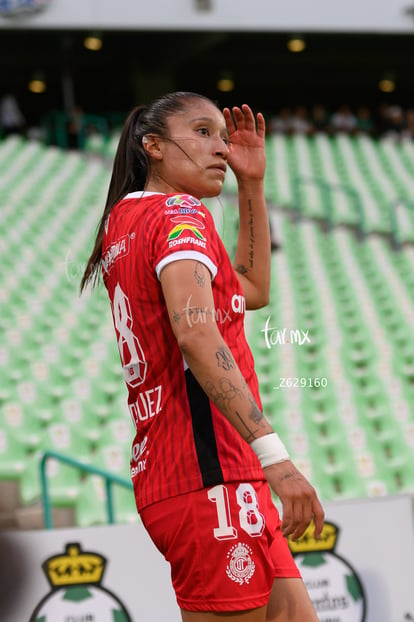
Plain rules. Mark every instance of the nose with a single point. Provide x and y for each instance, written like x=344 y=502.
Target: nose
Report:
x=221 y=148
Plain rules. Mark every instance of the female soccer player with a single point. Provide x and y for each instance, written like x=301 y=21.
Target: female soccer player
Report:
x=203 y=453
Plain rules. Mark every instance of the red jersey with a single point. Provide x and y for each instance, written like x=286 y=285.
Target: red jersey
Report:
x=183 y=442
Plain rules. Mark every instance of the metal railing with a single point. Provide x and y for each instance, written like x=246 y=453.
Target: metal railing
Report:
x=110 y=479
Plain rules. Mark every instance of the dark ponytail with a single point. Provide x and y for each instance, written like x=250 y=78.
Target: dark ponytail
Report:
x=129 y=173
x=131 y=165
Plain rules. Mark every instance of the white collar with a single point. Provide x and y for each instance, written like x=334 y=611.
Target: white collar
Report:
x=140 y=194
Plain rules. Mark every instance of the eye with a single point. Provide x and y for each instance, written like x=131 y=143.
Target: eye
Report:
x=225 y=139
x=203 y=131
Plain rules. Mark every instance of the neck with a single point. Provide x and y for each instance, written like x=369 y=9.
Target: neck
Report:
x=161 y=185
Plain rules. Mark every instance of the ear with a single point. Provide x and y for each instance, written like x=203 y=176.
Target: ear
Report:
x=152 y=146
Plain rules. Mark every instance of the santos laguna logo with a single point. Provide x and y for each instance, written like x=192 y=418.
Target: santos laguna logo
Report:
x=333 y=584
x=11 y=8
x=77 y=593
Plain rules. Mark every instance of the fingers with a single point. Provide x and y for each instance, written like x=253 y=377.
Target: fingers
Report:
x=287 y=526
x=303 y=519
x=261 y=125
x=244 y=118
x=297 y=520
x=319 y=517
x=239 y=119
x=229 y=120
x=299 y=512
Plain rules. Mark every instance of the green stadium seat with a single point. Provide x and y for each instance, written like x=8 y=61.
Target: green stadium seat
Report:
x=18 y=418
x=13 y=455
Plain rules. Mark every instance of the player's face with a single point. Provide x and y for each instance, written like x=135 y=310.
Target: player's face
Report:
x=195 y=153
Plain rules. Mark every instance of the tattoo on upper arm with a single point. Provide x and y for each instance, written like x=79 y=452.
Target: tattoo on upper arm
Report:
x=241 y=268
x=193 y=315
x=225 y=359
x=177 y=317
x=199 y=274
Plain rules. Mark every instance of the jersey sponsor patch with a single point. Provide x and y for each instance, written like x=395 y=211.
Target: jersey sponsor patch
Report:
x=183 y=223
x=183 y=219
x=187 y=240
x=117 y=250
x=138 y=462
x=188 y=224
x=183 y=201
x=238 y=303
x=178 y=230
x=182 y=211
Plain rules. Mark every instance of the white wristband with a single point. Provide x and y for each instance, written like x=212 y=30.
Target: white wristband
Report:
x=269 y=449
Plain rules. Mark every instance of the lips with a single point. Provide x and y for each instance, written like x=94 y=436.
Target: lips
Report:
x=219 y=166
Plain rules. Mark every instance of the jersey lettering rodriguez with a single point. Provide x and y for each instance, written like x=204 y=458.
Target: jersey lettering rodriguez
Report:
x=182 y=441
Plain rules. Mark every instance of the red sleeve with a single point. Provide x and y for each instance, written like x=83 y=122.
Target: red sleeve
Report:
x=183 y=229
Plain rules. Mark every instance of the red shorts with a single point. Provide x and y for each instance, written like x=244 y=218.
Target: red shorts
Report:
x=224 y=545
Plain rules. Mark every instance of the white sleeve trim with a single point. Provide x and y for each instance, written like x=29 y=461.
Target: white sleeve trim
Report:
x=187 y=255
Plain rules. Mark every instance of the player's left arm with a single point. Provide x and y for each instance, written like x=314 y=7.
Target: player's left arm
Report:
x=248 y=161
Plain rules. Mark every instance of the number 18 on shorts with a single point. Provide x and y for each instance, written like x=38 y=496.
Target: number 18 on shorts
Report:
x=224 y=545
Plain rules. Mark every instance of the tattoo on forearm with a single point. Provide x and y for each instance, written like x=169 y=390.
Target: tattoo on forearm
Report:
x=251 y=434
x=255 y=414
x=225 y=359
x=224 y=394
x=199 y=274
x=241 y=268
x=290 y=475
x=251 y=230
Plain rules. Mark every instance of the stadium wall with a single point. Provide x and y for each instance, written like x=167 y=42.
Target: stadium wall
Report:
x=359 y=571
x=264 y=15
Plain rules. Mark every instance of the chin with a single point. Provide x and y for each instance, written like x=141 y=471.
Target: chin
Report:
x=210 y=193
